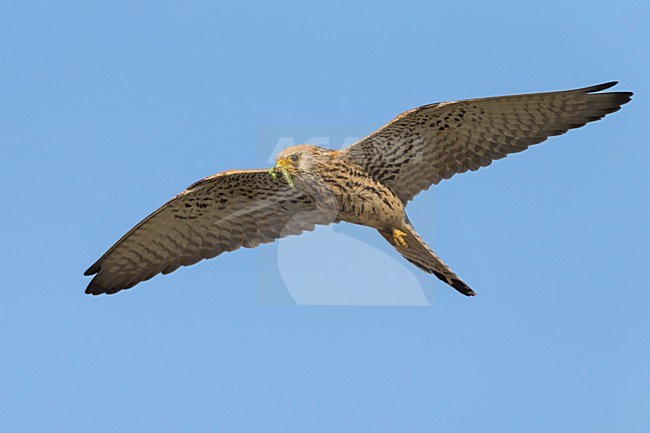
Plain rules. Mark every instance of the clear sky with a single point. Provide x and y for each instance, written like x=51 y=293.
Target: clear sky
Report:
x=107 y=109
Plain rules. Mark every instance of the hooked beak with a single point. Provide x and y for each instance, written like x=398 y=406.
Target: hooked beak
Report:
x=283 y=166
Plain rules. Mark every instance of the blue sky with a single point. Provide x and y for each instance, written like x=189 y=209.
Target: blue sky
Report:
x=110 y=108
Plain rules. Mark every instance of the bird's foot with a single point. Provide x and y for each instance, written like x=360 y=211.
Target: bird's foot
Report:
x=398 y=238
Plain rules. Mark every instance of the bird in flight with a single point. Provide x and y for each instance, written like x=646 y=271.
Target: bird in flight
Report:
x=368 y=183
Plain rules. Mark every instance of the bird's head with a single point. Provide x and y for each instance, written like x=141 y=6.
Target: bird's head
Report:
x=300 y=159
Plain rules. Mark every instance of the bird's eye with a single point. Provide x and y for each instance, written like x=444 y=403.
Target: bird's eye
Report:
x=294 y=158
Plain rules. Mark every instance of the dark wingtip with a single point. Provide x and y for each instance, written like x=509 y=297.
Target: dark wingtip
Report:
x=95 y=268
x=625 y=97
x=100 y=286
x=599 y=87
x=93 y=288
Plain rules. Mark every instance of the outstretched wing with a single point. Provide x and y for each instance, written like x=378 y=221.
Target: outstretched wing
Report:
x=425 y=145
x=220 y=213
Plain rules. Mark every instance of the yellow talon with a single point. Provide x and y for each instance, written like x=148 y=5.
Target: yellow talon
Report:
x=398 y=237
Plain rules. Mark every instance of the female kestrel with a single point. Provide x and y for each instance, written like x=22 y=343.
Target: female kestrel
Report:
x=368 y=183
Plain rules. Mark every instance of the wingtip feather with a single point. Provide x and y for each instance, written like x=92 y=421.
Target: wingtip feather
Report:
x=95 y=289
x=92 y=270
x=92 y=288
x=599 y=87
x=624 y=96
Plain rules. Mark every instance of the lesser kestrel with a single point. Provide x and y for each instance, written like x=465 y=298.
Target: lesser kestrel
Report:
x=368 y=183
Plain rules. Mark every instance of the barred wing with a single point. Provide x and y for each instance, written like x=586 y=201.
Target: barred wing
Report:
x=220 y=213
x=425 y=145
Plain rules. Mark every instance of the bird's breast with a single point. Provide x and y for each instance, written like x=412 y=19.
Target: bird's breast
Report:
x=356 y=198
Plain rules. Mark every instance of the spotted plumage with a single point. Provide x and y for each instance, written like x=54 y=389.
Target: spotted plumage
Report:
x=368 y=183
